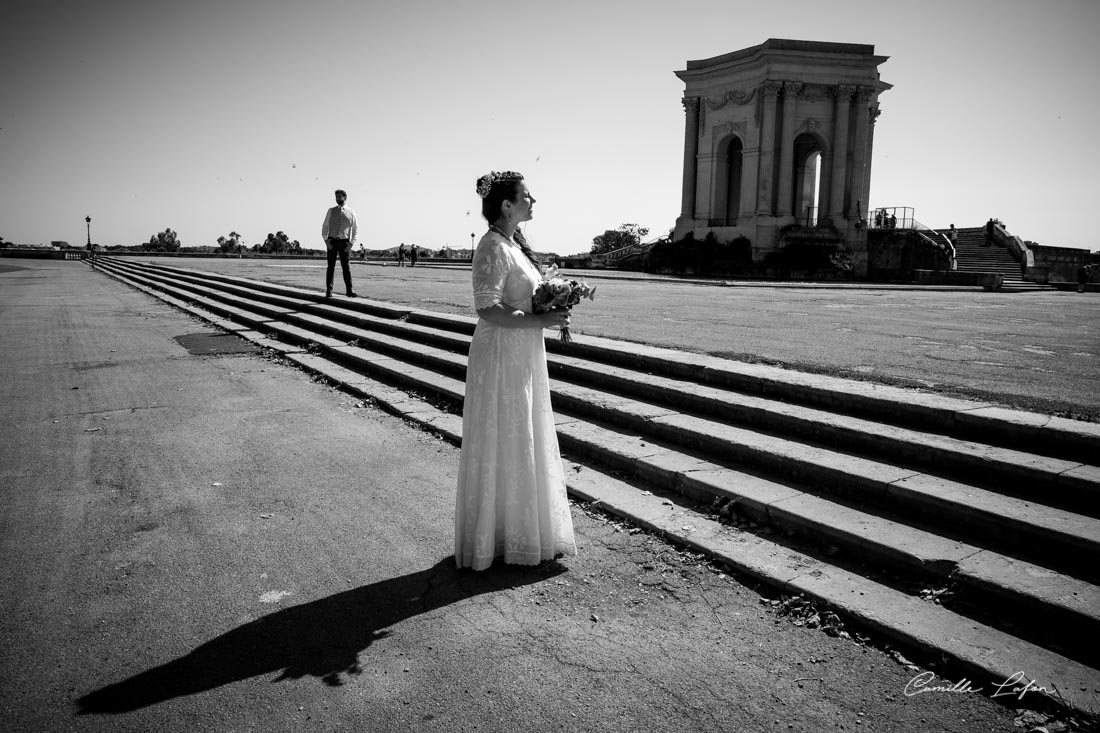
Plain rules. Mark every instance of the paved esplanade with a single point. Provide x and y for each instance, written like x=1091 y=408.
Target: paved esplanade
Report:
x=1040 y=351
x=217 y=543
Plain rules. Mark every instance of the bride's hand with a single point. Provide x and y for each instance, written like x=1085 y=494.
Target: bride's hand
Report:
x=555 y=319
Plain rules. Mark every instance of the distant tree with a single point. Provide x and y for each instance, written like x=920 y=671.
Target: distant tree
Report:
x=3 y=243
x=166 y=241
x=278 y=243
x=625 y=236
x=230 y=243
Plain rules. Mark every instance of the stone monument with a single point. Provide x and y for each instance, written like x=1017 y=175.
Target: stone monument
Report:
x=777 y=145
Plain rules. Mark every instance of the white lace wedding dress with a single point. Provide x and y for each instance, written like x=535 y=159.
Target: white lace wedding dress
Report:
x=511 y=499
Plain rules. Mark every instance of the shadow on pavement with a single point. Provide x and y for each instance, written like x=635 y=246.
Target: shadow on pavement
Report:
x=322 y=638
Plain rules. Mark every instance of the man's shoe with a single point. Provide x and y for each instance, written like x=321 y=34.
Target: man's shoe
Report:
x=328 y=293
x=352 y=295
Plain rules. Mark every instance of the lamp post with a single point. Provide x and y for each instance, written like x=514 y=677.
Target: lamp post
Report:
x=472 y=235
x=88 y=221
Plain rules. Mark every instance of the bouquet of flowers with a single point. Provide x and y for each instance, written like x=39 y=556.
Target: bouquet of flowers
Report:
x=555 y=292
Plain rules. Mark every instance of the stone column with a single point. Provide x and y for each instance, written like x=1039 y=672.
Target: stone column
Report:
x=764 y=204
x=825 y=193
x=791 y=92
x=840 y=151
x=750 y=168
x=861 y=158
x=704 y=187
x=873 y=114
x=691 y=152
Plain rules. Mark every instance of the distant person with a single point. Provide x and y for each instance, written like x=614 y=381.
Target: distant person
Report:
x=988 y=234
x=891 y=222
x=1083 y=273
x=339 y=231
x=880 y=215
x=91 y=251
x=952 y=235
x=362 y=252
x=401 y=255
x=413 y=254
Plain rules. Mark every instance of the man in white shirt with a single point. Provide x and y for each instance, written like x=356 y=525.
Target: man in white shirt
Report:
x=339 y=231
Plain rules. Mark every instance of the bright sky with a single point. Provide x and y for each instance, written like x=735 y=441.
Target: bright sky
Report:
x=208 y=116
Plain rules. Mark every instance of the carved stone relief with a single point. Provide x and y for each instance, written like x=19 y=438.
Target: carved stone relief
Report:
x=726 y=128
x=736 y=97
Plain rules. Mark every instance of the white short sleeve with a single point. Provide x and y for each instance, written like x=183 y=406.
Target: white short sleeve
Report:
x=490 y=269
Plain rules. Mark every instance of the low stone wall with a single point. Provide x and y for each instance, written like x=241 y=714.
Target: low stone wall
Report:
x=897 y=255
x=987 y=280
x=43 y=253
x=1059 y=264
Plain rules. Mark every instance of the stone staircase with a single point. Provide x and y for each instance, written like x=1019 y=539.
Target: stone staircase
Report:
x=971 y=256
x=960 y=531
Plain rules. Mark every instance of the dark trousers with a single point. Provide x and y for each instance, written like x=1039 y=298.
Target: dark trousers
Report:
x=337 y=248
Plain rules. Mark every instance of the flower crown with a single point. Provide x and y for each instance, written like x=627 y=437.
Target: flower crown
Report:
x=485 y=183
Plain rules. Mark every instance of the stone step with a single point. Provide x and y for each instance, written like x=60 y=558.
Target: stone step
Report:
x=968 y=420
x=888 y=542
x=891 y=515
x=1048 y=479
x=981 y=264
x=707 y=382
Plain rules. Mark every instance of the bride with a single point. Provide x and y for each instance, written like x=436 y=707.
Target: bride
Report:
x=511 y=499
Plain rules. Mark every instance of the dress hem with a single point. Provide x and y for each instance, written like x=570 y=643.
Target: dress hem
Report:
x=526 y=560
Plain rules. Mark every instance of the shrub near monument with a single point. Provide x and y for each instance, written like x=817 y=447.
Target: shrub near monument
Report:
x=711 y=257
x=708 y=257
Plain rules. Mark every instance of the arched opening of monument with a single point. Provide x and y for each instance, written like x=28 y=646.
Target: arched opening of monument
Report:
x=807 y=177
x=727 y=189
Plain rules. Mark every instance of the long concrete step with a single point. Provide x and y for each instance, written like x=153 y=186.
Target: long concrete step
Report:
x=1040 y=479
x=707 y=460
x=977 y=265
x=1008 y=468
x=598 y=358
x=911 y=548
x=1058 y=482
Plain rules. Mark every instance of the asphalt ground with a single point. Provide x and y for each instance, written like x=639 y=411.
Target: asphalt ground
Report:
x=196 y=537
x=1033 y=351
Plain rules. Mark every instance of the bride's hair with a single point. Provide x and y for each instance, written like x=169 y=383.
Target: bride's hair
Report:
x=496 y=188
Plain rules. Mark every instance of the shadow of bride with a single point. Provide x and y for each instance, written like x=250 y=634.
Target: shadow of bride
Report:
x=322 y=638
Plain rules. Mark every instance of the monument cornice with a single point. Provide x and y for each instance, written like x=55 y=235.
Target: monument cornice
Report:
x=774 y=46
